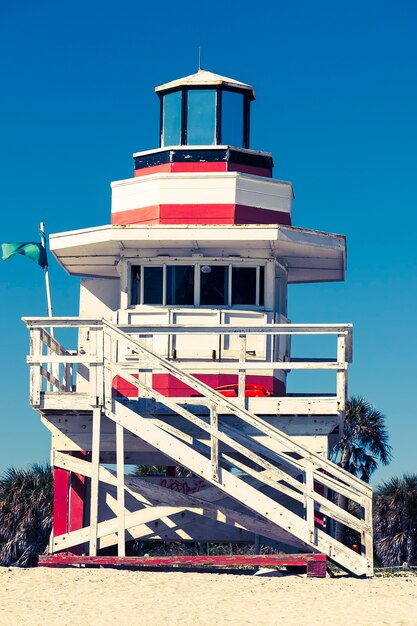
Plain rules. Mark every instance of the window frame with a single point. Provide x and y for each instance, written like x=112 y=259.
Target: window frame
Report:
x=197 y=263
x=218 y=114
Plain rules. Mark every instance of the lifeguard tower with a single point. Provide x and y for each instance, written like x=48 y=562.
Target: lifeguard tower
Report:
x=182 y=355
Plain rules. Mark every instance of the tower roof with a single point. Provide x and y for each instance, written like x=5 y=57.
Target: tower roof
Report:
x=204 y=78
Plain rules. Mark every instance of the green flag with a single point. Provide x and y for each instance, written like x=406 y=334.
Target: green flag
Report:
x=34 y=251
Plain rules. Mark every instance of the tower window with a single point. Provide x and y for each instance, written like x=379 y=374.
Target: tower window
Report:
x=171 y=123
x=153 y=281
x=201 y=117
x=180 y=284
x=232 y=119
x=213 y=285
x=244 y=285
x=214 y=282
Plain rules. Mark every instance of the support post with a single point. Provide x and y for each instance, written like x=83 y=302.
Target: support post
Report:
x=95 y=463
x=214 y=423
x=242 y=370
x=120 y=471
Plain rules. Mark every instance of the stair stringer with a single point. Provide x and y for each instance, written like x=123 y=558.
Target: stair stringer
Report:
x=237 y=489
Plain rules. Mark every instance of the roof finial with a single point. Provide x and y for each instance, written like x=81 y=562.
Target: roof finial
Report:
x=199 y=58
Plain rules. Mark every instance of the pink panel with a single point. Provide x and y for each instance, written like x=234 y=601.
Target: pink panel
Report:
x=61 y=501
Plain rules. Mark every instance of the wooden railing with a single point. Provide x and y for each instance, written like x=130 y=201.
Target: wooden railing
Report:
x=54 y=368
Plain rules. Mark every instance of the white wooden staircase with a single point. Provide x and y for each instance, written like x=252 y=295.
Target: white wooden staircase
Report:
x=257 y=479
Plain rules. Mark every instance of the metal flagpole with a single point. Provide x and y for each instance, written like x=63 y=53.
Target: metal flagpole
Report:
x=47 y=283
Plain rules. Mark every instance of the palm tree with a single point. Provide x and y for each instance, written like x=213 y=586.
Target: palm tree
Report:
x=362 y=446
x=395 y=520
x=364 y=441
x=25 y=514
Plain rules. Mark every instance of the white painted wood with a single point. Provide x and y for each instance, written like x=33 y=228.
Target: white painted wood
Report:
x=120 y=491
x=214 y=440
x=35 y=370
x=95 y=468
x=308 y=255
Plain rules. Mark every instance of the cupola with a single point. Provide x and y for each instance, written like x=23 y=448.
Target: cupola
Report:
x=205 y=109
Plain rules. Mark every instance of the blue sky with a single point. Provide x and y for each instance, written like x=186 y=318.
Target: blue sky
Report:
x=336 y=104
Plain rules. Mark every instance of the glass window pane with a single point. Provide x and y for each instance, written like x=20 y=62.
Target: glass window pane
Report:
x=201 y=117
x=243 y=285
x=232 y=119
x=180 y=284
x=214 y=285
x=261 y=285
x=135 y=298
x=171 y=135
x=152 y=285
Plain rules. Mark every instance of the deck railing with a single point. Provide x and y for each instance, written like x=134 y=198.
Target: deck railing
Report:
x=57 y=369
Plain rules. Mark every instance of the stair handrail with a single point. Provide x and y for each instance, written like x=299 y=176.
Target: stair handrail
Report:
x=250 y=418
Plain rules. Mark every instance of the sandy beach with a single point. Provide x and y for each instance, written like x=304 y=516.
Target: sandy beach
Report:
x=81 y=596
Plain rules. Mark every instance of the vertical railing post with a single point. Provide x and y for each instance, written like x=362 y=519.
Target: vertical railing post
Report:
x=100 y=365
x=93 y=365
x=214 y=425
x=242 y=370
x=109 y=359
x=309 y=500
x=341 y=380
x=120 y=472
x=367 y=535
x=35 y=368
x=95 y=469
x=145 y=373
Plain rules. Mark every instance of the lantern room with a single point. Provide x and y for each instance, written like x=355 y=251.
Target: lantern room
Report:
x=205 y=109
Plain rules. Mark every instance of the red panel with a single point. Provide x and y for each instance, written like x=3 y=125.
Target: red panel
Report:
x=155 y=169
x=146 y=215
x=215 y=166
x=170 y=386
x=201 y=214
x=61 y=501
x=197 y=213
x=122 y=388
x=255 y=215
x=249 y=169
x=77 y=497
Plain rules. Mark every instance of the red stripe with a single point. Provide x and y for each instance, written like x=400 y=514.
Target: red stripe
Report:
x=212 y=166
x=155 y=169
x=200 y=214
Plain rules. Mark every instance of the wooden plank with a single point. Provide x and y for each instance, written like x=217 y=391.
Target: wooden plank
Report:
x=214 y=424
x=309 y=501
x=48 y=358
x=35 y=372
x=314 y=563
x=120 y=490
x=251 y=364
x=95 y=465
